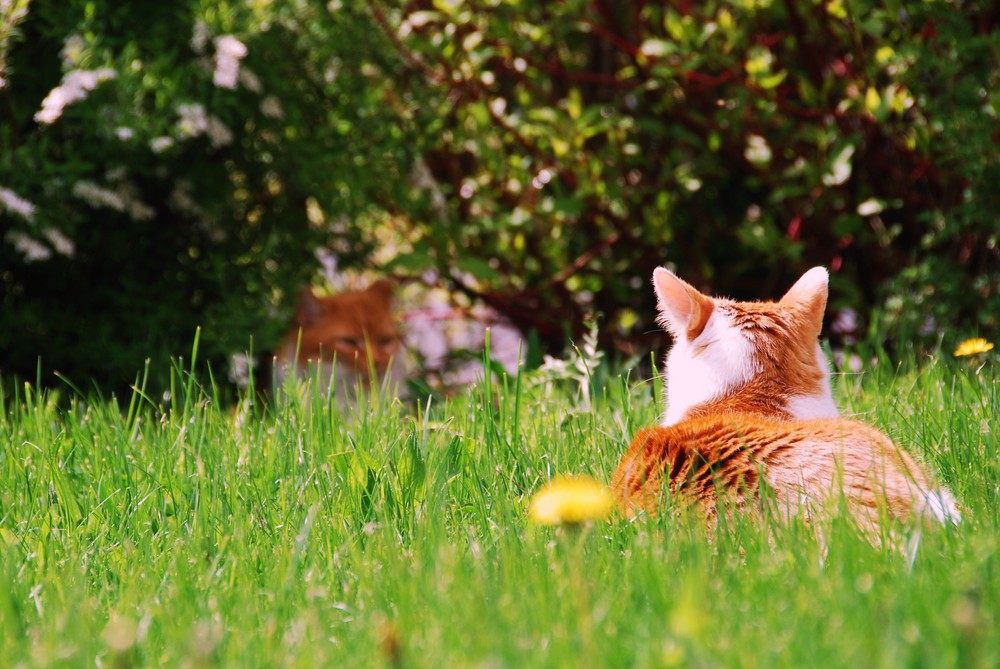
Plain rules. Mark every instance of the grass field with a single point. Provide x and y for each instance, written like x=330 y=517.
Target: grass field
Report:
x=177 y=533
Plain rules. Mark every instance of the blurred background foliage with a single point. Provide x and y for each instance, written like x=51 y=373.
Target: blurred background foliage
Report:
x=165 y=166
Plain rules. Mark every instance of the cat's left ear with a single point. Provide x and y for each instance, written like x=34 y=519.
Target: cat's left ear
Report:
x=683 y=310
x=308 y=308
x=808 y=297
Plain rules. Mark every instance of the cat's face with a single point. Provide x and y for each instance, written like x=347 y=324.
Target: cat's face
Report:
x=350 y=327
x=763 y=354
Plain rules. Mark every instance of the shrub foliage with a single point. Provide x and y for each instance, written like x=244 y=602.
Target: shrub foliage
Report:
x=171 y=165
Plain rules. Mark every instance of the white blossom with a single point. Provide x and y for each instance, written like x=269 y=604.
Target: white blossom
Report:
x=840 y=171
x=72 y=51
x=16 y=204
x=60 y=242
x=218 y=133
x=74 y=87
x=123 y=199
x=332 y=70
x=160 y=144
x=97 y=196
x=124 y=133
x=200 y=36
x=250 y=81
x=29 y=247
x=271 y=107
x=241 y=366
x=229 y=51
x=870 y=207
x=35 y=250
x=757 y=150
x=193 y=120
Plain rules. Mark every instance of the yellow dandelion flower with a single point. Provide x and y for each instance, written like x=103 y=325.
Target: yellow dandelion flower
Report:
x=972 y=347
x=570 y=500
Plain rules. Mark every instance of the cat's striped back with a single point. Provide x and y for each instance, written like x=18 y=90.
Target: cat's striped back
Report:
x=804 y=465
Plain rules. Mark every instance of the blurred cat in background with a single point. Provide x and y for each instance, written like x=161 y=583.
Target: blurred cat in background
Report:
x=349 y=339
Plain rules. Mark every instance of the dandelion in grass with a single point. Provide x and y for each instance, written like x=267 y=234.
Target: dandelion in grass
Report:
x=972 y=347
x=570 y=501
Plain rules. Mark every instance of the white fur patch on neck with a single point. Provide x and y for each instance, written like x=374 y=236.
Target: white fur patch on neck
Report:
x=818 y=405
x=808 y=407
x=717 y=361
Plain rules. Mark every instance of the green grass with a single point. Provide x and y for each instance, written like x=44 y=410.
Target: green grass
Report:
x=177 y=533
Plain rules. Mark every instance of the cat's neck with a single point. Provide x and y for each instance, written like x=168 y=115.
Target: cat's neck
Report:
x=761 y=398
x=728 y=377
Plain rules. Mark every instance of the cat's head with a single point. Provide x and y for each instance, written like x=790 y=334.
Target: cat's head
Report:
x=761 y=357
x=350 y=326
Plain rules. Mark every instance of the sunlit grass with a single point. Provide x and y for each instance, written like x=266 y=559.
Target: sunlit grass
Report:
x=175 y=532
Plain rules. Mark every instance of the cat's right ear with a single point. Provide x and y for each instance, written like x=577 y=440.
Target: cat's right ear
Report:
x=308 y=307
x=683 y=310
x=384 y=290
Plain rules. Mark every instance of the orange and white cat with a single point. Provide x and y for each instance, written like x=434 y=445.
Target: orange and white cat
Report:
x=749 y=407
x=346 y=337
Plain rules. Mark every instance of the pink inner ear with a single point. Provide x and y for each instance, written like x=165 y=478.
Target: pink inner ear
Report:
x=683 y=309
x=702 y=310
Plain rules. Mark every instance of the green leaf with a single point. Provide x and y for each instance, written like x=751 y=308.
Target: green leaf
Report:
x=410 y=262
x=477 y=267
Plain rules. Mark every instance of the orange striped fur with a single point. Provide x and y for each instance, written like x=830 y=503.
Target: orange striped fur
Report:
x=749 y=402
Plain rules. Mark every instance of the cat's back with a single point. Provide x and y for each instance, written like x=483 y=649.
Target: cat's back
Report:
x=719 y=436
x=714 y=455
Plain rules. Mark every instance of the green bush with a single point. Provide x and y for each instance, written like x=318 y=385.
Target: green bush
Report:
x=188 y=188
x=542 y=157
x=581 y=144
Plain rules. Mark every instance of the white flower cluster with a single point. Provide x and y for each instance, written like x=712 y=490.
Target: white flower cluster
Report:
x=580 y=366
x=195 y=121
x=122 y=200
x=250 y=81
x=271 y=107
x=161 y=144
x=229 y=51
x=200 y=36
x=33 y=250
x=60 y=242
x=241 y=367
x=74 y=87
x=72 y=51
x=16 y=204
x=29 y=247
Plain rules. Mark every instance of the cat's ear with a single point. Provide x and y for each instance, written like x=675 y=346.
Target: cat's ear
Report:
x=308 y=308
x=808 y=298
x=683 y=310
x=384 y=290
